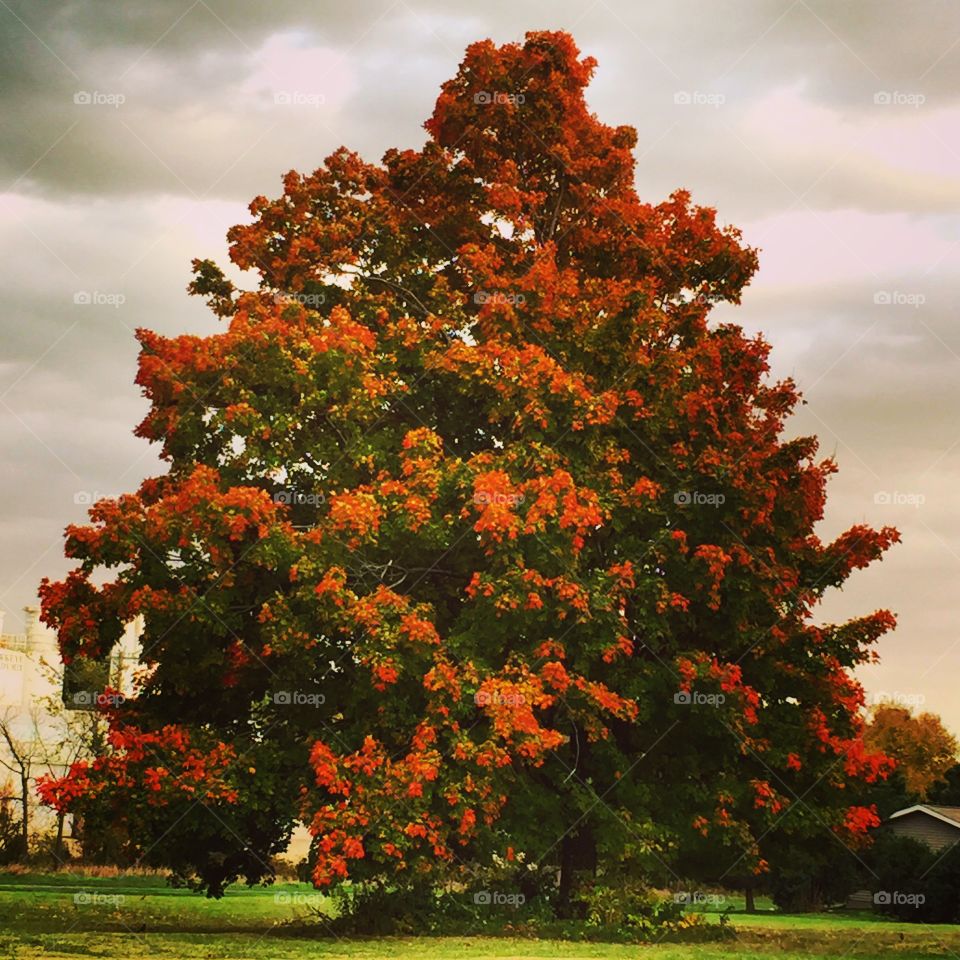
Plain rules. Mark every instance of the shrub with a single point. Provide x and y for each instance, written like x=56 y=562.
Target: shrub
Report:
x=913 y=883
x=807 y=881
x=11 y=840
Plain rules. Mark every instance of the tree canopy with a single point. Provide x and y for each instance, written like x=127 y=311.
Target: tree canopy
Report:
x=479 y=535
x=923 y=748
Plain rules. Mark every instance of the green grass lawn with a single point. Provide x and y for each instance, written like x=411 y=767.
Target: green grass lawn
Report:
x=67 y=916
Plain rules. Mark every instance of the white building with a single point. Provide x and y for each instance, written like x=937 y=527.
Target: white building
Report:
x=31 y=682
x=36 y=712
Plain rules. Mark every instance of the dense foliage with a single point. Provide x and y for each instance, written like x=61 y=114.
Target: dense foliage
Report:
x=922 y=747
x=479 y=537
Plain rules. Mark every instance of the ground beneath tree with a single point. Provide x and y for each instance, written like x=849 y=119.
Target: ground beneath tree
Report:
x=66 y=916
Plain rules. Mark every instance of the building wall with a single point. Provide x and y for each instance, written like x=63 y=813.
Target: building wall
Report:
x=929 y=830
x=24 y=682
x=30 y=678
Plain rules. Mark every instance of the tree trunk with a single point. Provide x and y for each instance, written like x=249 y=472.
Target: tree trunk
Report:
x=751 y=906
x=578 y=856
x=59 y=854
x=25 y=815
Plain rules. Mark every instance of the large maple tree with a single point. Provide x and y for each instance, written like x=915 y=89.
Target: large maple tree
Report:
x=479 y=535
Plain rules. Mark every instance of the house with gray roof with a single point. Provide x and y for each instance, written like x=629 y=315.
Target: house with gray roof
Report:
x=935 y=826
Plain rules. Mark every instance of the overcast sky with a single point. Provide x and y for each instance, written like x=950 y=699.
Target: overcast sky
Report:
x=134 y=134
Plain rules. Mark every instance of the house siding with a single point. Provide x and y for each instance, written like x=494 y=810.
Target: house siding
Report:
x=929 y=830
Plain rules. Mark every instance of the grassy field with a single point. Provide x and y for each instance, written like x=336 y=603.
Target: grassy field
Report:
x=69 y=916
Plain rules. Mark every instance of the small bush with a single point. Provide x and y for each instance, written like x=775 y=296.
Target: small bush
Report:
x=913 y=883
x=11 y=840
x=809 y=880
x=368 y=909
